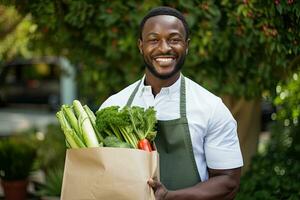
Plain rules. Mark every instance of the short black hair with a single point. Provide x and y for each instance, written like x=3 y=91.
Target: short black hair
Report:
x=163 y=10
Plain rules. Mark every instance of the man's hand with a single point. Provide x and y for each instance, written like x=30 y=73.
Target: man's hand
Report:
x=221 y=185
x=160 y=191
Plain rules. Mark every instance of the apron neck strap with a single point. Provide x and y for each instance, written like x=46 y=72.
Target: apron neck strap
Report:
x=130 y=100
x=182 y=96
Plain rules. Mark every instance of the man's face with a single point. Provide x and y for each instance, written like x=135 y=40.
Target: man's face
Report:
x=163 y=45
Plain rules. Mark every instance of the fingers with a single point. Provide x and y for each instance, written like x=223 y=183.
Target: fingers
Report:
x=159 y=189
x=154 y=184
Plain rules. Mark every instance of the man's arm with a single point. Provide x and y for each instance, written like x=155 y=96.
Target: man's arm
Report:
x=222 y=184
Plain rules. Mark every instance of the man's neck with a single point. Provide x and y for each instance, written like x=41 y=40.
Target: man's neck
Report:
x=157 y=83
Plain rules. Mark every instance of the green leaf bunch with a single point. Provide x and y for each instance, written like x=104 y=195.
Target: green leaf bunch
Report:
x=129 y=124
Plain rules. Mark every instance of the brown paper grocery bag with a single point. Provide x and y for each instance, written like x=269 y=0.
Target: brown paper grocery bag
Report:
x=109 y=174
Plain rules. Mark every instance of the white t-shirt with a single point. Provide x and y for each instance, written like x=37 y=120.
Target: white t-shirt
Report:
x=212 y=127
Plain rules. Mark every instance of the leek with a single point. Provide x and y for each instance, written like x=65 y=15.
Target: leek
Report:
x=85 y=125
x=92 y=118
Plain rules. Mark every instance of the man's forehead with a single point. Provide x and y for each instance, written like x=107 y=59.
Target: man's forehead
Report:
x=165 y=21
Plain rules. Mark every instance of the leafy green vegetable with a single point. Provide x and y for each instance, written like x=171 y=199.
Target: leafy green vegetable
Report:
x=143 y=122
x=111 y=122
x=113 y=141
x=129 y=124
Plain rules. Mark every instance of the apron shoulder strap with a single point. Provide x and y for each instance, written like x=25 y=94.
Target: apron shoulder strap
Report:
x=130 y=100
x=182 y=97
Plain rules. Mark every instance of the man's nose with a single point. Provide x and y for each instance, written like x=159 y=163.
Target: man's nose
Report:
x=164 y=47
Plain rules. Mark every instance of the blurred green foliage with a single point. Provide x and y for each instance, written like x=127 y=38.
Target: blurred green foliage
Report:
x=16 y=34
x=17 y=156
x=240 y=48
x=52 y=151
x=288 y=96
x=51 y=159
x=274 y=174
x=53 y=184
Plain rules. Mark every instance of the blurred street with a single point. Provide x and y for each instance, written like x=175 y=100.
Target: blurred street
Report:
x=19 y=118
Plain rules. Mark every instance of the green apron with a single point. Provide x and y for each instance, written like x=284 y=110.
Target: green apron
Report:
x=178 y=167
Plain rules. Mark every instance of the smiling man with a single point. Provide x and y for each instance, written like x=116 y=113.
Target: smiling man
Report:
x=199 y=150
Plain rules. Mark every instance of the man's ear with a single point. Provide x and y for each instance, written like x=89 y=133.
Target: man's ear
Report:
x=187 y=46
x=140 y=45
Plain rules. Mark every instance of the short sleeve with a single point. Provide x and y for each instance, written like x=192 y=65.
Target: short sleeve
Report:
x=221 y=144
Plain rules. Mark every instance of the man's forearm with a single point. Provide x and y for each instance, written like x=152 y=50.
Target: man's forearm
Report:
x=217 y=187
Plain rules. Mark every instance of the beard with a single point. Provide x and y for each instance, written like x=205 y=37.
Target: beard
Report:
x=153 y=71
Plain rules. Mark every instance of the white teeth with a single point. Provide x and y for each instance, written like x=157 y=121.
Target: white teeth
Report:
x=164 y=59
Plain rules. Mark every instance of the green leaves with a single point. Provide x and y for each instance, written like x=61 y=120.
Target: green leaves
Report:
x=238 y=48
x=113 y=141
x=288 y=96
x=130 y=124
x=80 y=13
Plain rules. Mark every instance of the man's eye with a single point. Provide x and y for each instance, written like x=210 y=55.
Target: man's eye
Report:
x=175 y=40
x=153 y=40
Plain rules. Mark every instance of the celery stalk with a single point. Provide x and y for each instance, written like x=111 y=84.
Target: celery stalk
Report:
x=71 y=136
x=71 y=118
x=131 y=140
